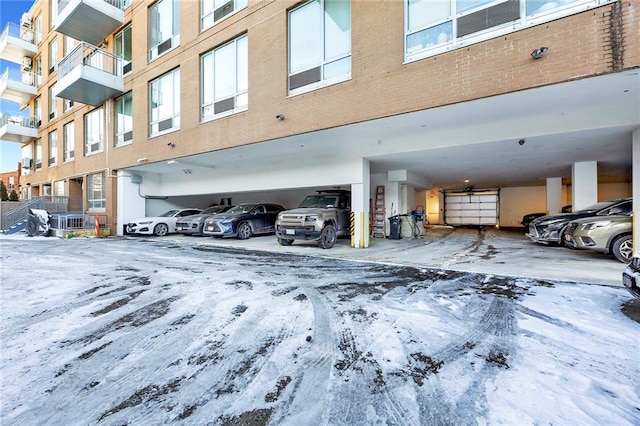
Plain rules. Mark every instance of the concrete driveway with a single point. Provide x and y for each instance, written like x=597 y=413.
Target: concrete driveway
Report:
x=487 y=251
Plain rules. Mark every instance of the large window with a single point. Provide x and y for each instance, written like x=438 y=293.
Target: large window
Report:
x=164 y=103
x=53 y=148
x=164 y=27
x=96 y=199
x=53 y=55
x=53 y=104
x=123 y=49
x=38 y=29
x=69 y=141
x=94 y=131
x=319 y=44
x=38 y=156
x=53 y=12
x=225 y=79
x=69 y=44
x=213 y=11
x=124 y=120
x=435 y=26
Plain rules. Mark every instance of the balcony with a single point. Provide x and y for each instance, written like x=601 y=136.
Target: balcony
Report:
x=89 y=20
x=18 y=128
x=18 y=86
x=89 y=75
x=16 y=42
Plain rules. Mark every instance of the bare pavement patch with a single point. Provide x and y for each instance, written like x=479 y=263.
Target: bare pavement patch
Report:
x=148 y=331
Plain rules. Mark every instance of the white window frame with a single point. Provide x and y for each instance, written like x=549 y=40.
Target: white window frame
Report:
x=324 y=61
x=37 y=161
x=222 y=8
x=123 y=131
x=444 y=31
x=53 y=104
x=38 y=29
x=53 y=12
x=162 y=121
x=53 y=54
x=239 y=98
x=121 y=41
x=96 y=193
x=69 y=142
x=53 y=148
x=159 y=43
x=94 y=131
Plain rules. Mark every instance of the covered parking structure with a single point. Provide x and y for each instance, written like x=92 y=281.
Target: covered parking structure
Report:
x=575 y=134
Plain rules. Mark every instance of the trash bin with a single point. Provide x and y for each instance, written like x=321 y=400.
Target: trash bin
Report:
x=394 y=226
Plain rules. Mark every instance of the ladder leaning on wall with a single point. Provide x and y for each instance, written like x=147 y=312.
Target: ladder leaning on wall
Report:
x=379 y=225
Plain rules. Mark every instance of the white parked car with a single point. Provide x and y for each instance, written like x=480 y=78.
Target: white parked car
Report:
x=631 y=275
x=159 y=225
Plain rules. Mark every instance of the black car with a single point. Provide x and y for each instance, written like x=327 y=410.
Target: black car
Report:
x=243 y=221
x=530 y=217
x=550 y=229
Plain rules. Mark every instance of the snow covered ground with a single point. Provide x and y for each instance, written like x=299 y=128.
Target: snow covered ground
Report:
x=150 y=331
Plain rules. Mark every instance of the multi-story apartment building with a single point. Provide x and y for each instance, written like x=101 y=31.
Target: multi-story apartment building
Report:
x=138 y=106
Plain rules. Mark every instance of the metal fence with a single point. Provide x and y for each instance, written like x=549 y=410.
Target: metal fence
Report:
x=74 y=221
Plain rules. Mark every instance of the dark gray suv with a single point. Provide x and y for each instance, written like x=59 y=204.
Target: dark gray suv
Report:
x=322 y=217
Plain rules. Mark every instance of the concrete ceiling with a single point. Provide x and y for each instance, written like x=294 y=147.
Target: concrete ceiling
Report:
x=583 y=120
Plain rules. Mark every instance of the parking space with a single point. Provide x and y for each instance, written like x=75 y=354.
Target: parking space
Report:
x=489 y=251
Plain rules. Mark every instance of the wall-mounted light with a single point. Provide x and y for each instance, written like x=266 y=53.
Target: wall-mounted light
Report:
x=279 y=117
x=171 y=144
x=142 y=159
x=537 y=54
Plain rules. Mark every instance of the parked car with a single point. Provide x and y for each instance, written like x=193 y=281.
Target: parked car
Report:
x=243 y=221
x=551 y=229
x=192 y=225
x=631 y=275
x=160 y=225
x=528 y=218
x=322 y=217
x=604 y=234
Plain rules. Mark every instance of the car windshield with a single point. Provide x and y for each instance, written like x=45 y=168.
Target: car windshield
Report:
x=169 y=213
x=320 y=201
x=212 y=210
x=598 y=206
x=242 y=208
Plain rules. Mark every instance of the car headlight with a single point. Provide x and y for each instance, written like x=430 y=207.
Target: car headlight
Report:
x=311 y=218
x=596 y=225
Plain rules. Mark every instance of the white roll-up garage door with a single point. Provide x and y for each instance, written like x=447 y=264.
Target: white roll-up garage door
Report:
x=472 y=208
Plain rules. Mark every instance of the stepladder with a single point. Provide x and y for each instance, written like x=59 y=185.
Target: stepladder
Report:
x=379 y=221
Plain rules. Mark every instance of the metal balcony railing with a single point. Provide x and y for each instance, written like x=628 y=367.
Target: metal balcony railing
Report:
x=85 y=54
x=51 y=203
x=25 y=77
x=13 y=119
x=120 y=4
x=17 y=31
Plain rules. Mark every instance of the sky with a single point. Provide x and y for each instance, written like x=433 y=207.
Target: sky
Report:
x=10 y=11
x=157 y=331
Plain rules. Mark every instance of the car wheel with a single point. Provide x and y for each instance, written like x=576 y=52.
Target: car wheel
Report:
x=244 y=231
x=161 y=230
x=622 y=248
x=285 y=241
x=328 y=237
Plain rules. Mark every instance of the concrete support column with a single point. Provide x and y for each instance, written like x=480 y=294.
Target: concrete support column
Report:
x=584 y=184
x=360 y=211
x=635 y=185
x=554 y=195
